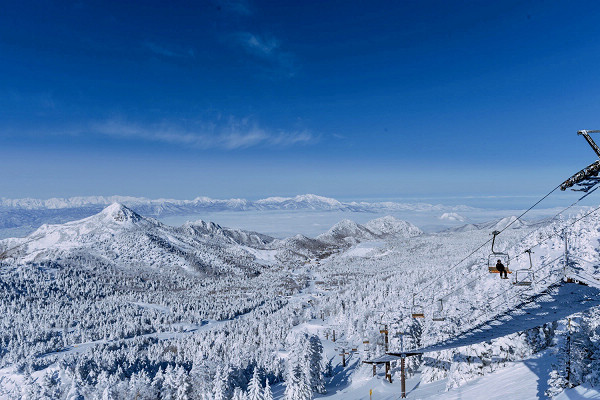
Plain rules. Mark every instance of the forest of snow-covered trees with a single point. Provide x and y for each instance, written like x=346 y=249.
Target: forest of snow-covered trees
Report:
x=83 y=317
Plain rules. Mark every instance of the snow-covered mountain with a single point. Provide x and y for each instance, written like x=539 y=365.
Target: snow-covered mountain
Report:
x=301 y=202
x=158 y=207
x=28 y=214
x=452 y=216
x=497 y=225
x=125 y=239
x=347 y=231
x=212 y=231
x=389 y=225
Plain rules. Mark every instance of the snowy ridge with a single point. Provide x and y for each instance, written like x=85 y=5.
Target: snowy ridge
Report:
x=210 y=230
x=496 y=225
x=162 y=206
x=351 y=232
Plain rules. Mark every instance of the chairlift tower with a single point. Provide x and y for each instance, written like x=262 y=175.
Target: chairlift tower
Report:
x=587 y=178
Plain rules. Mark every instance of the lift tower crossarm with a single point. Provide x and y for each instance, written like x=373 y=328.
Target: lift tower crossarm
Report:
x=585 y=134
x=587 y=177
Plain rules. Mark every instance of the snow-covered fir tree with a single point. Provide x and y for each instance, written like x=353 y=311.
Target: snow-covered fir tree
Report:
x=267 y=393
x=254 y=387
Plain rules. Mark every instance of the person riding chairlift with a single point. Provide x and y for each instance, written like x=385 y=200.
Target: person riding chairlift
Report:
x=500 y=267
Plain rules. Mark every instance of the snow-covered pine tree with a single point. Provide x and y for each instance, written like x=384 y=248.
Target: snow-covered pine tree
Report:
x=239 y=394
x=267 y=394
x=540 y=338
x=296 y=387
x=313 y=363
x=169 y=386
x=254 y=387
x=219 y=385
x=560 y=373
x=184 y=388
x=592 y=330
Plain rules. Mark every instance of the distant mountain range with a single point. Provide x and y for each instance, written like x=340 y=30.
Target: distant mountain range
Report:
x=16 y=213
x=119 y=236
x=159 y=207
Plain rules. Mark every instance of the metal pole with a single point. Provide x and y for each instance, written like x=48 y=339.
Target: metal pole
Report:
x=388 y=374
x=403 y=376
x=566 y=254
x=386 y=339
x=568 y=366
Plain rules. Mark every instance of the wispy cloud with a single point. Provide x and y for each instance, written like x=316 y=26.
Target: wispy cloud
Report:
x=268 y=50
x=166 y=51
x=235 y=134
x=264 y=47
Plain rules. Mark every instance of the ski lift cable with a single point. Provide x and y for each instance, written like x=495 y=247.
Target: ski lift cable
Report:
x=487 y=242
x=544 y=265
x=551 y=219
x=518 y=293
x=529 y=209
x=537 y=244
x=506 y=290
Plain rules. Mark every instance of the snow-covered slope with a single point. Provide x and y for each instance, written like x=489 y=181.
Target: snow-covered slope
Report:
x=122 y=237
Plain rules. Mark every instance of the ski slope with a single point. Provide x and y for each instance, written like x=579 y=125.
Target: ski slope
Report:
x=559 y=300
x=523 y=380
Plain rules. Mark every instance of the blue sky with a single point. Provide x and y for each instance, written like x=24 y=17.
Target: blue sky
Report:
x=257 y=98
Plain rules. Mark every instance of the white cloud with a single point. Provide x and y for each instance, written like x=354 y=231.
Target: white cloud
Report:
x=268 y=50
x=235 y=134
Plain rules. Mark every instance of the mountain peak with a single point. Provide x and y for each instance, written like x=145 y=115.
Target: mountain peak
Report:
x=390 y=225
x=119 y=213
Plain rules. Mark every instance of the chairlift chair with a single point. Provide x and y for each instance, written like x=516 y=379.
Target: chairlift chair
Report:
x=495 y=256
x=524 y=277
x=417 y=311
x=439 y=314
